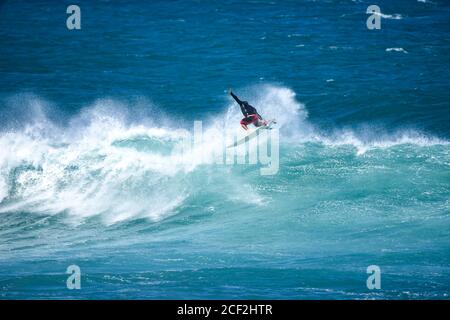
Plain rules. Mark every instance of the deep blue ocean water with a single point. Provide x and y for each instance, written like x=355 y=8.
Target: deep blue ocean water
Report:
x=88 y=120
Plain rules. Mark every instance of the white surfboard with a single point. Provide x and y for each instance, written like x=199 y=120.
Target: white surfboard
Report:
x=252 y=134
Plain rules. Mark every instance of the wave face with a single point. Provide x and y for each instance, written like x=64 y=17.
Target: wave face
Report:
x=107 y=182
x=106 y=164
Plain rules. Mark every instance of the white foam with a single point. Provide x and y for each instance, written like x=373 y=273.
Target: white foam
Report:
x=83 y=171
x=3 y=189
x=372 y=140
x=396 y=50
x=389 y=16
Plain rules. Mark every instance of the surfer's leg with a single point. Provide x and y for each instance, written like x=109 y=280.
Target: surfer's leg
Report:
x=246 y=121
x=254 y=120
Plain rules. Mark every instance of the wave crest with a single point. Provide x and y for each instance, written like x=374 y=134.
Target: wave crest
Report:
x=103 y=163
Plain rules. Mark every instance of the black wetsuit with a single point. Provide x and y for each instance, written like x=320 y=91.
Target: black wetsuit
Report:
x=246 y=108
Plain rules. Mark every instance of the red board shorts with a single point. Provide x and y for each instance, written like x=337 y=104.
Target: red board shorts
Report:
x=252 y=118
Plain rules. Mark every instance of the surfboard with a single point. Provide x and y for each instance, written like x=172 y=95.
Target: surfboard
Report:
x=252 y=134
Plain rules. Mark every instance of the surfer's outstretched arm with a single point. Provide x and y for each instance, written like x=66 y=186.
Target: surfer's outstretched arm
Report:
x=236 y=98
x=241 y=104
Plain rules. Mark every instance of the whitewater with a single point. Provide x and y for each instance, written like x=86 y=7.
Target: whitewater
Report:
x=105 y=163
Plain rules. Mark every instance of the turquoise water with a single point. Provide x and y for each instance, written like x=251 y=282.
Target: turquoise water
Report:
x=90 y=123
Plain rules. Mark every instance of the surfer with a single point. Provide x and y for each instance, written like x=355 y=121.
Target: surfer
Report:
x=251 y=116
